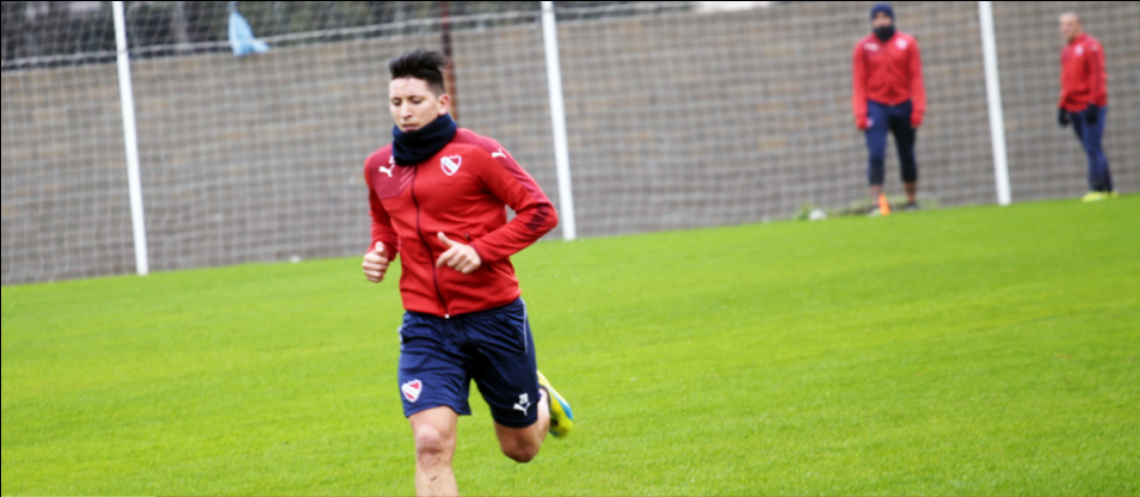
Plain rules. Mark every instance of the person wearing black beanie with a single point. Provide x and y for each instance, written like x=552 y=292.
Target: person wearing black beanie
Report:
x=888 y=97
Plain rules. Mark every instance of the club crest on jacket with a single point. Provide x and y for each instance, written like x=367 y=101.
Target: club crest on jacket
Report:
x=450 y=164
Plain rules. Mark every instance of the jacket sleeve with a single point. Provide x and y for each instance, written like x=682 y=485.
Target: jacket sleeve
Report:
x=858 y=84
x=1098 y=77
x=534 y=214
x=917 y=86
x=1061 y=99
x=382 y=230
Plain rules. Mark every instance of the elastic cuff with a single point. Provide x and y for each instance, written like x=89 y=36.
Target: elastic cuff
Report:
x=529 y=421
x=480 y=252
x=409 y=412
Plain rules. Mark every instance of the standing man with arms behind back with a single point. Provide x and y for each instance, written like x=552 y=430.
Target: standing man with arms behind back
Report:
x=438 y=197
x=1084 y=101
x=888 y=96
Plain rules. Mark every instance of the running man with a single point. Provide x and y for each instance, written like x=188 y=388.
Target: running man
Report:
x=438 y=196
x=1084 y=101
x=888 y=95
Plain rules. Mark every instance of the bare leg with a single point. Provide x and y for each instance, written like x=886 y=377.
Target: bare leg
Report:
x=876 y=190
x=434 y=430
x=522 y=444
x=911 y=191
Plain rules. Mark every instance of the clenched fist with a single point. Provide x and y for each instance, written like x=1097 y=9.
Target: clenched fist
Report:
x=376 y=263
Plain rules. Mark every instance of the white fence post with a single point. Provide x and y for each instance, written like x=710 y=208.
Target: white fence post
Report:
x=558 y=122
x=993 y=99
x=130 y=139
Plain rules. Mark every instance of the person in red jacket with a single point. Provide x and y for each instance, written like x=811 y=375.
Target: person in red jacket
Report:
x=438 y=196
x=1084 y=101
x=888 y=96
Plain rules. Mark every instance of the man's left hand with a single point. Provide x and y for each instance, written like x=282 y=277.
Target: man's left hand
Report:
x=915 y=120
x=460 y=257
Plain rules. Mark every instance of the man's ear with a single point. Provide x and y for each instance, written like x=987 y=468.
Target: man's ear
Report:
x=444 y=104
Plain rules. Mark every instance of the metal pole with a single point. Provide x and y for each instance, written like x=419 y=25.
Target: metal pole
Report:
x=558 y=121
x=449 y=68
x=130 y=139
x=993 y=99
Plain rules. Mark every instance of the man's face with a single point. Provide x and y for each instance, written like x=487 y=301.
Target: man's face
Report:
x=1070 y=27
x=881 y=20
x=413 y=105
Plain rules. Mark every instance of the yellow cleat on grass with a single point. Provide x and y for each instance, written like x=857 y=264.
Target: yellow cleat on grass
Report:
x=561 y=416
x=1111 y=194
x=1094 y=197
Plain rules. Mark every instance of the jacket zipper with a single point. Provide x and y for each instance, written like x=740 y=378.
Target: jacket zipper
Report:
x=431 y=256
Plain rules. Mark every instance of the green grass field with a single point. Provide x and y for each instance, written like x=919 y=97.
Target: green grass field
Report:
x=979 y=350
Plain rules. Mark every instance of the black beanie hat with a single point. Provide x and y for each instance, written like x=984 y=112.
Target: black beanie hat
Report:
x=882 y=7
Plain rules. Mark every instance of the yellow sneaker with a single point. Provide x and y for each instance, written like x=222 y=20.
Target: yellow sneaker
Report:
x=1094 y=197
x=561 y=417
x=1111 y=194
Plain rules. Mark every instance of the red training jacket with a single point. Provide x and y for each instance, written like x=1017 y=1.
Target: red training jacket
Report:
x=889 y=73
x=1084 y=80
x=461 y=191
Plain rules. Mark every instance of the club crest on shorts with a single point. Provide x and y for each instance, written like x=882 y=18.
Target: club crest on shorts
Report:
x=450 y=164
x=412 y=390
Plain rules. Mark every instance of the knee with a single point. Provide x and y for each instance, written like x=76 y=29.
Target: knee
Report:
x=877 y=156
x=522 y=447
x=432 y=444
x=521 y=453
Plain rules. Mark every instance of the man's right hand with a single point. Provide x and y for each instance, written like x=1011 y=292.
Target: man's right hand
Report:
x=376 y=263
x=1062 y=117
x=863 y=123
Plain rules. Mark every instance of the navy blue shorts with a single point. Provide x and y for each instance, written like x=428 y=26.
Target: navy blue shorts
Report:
x=439 y=358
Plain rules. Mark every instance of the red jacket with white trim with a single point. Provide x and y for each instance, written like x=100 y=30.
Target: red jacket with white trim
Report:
x=889 y=73
x=461 y=191
x=1084 y=80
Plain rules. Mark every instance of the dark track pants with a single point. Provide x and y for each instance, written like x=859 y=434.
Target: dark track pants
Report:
x=1100 y=180
x=896 y=120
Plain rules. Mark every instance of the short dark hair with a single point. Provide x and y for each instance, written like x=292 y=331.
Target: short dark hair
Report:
x=420 y=64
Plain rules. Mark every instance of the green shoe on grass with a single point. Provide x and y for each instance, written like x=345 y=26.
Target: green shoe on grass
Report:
x=561 y=416
x=1094 y=197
